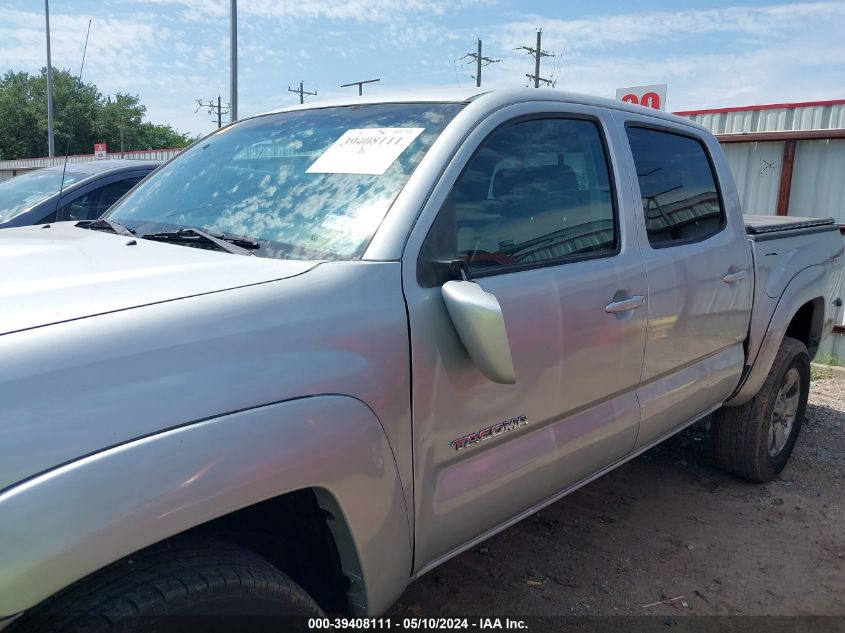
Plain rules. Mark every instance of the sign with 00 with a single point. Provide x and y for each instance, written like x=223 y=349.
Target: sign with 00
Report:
x=653 y=96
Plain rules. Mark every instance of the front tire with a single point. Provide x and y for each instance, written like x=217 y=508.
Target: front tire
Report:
x=755 y=440
x=183 y=585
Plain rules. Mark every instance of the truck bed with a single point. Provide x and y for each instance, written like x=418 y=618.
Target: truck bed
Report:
x=782 y=247
x=762 y=227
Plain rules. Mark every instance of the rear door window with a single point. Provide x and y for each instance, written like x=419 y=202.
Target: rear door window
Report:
x=96 y=202
x=681 y=202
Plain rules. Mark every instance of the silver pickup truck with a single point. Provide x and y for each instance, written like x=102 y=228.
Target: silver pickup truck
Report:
x=325 y=349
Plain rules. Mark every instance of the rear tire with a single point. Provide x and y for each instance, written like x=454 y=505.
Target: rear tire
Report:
x=182 y=585
x=755 y=440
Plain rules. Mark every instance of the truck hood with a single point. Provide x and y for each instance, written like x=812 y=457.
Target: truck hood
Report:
x=62 y=273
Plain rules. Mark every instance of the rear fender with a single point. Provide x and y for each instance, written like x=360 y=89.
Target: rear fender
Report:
x=808 y=285
x=66 y=523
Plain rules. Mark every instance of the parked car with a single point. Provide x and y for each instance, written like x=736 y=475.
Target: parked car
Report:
x=324 y=350
x=88 y=191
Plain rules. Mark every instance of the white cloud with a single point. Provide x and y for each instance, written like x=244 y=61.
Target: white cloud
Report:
x=378 y=11
x=413 y=22
x=117 y=50
x=761 y=23
x=138 y=54
x=724 y=57
x=172 y=52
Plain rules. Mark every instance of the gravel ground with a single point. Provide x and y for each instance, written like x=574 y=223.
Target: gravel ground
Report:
x=669 y=525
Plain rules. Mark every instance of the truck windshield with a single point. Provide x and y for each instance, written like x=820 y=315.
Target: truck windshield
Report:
x=23 y=192
x=310 y=184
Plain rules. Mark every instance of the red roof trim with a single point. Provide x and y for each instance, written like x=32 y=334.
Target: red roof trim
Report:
x=770 y=106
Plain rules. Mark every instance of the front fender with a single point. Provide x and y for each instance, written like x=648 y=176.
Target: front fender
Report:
x=68 y=522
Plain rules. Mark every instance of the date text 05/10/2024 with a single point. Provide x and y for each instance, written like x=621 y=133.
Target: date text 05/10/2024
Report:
x=416 y=624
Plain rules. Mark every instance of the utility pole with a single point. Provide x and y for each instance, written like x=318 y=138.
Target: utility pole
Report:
x=51 y=144
x=538 y=53
x=480 y=62
x=360 y=85
x=233 y=60
x=302 y=92
x=219 y=109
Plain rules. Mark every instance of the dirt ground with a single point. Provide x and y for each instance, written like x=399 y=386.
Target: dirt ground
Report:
x=670 y=525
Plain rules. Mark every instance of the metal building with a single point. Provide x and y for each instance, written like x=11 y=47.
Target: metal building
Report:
x=787 y=159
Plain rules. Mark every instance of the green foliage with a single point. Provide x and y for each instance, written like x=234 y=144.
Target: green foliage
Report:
x=119 y=121
x=827 y=359
x=80 y=118
x=820 y=372
x=18 y=119
x=162 y=136
x=820 y=368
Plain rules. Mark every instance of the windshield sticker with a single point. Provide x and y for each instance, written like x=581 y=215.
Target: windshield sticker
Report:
x=367 y=151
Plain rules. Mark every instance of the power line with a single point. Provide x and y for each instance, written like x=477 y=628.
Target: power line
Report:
x=538 y=54
x=480 y=62
x=360 y=85
x=212 y=107
x=302 y=92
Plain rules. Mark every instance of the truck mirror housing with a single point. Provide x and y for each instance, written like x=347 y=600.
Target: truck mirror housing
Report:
x=480 y=325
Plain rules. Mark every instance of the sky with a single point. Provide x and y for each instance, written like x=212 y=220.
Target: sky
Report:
x=173 y=52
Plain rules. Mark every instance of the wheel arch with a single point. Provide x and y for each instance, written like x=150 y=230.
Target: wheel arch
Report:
x=800 y=313
x=807 y=324
x=71 y=521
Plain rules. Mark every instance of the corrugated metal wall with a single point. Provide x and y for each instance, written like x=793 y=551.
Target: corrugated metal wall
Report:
x=818 y=179
x=767 y=119
x=756 y=167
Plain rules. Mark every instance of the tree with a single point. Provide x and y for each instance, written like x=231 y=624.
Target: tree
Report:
x=82 y=116
x=75 y=108
x=119 y=121
x=162 y=137
x=19 y=134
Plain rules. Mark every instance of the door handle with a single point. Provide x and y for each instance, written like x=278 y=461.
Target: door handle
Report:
x=730 y=278
x=632 y=302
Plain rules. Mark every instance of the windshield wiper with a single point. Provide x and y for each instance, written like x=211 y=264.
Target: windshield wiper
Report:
x=106 y=225
x=193 y=237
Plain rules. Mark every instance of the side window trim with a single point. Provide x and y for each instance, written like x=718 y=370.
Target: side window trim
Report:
x=99 y=186
x=90 y=184
x=657 y=127
x=427 y=277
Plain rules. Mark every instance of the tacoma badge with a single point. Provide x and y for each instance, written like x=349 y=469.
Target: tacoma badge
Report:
x=488 y=432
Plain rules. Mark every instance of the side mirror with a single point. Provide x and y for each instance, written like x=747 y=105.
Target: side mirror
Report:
x=478 y=319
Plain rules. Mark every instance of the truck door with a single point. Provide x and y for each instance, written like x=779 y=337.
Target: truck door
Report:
x=698 y=264
x=532 y=205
